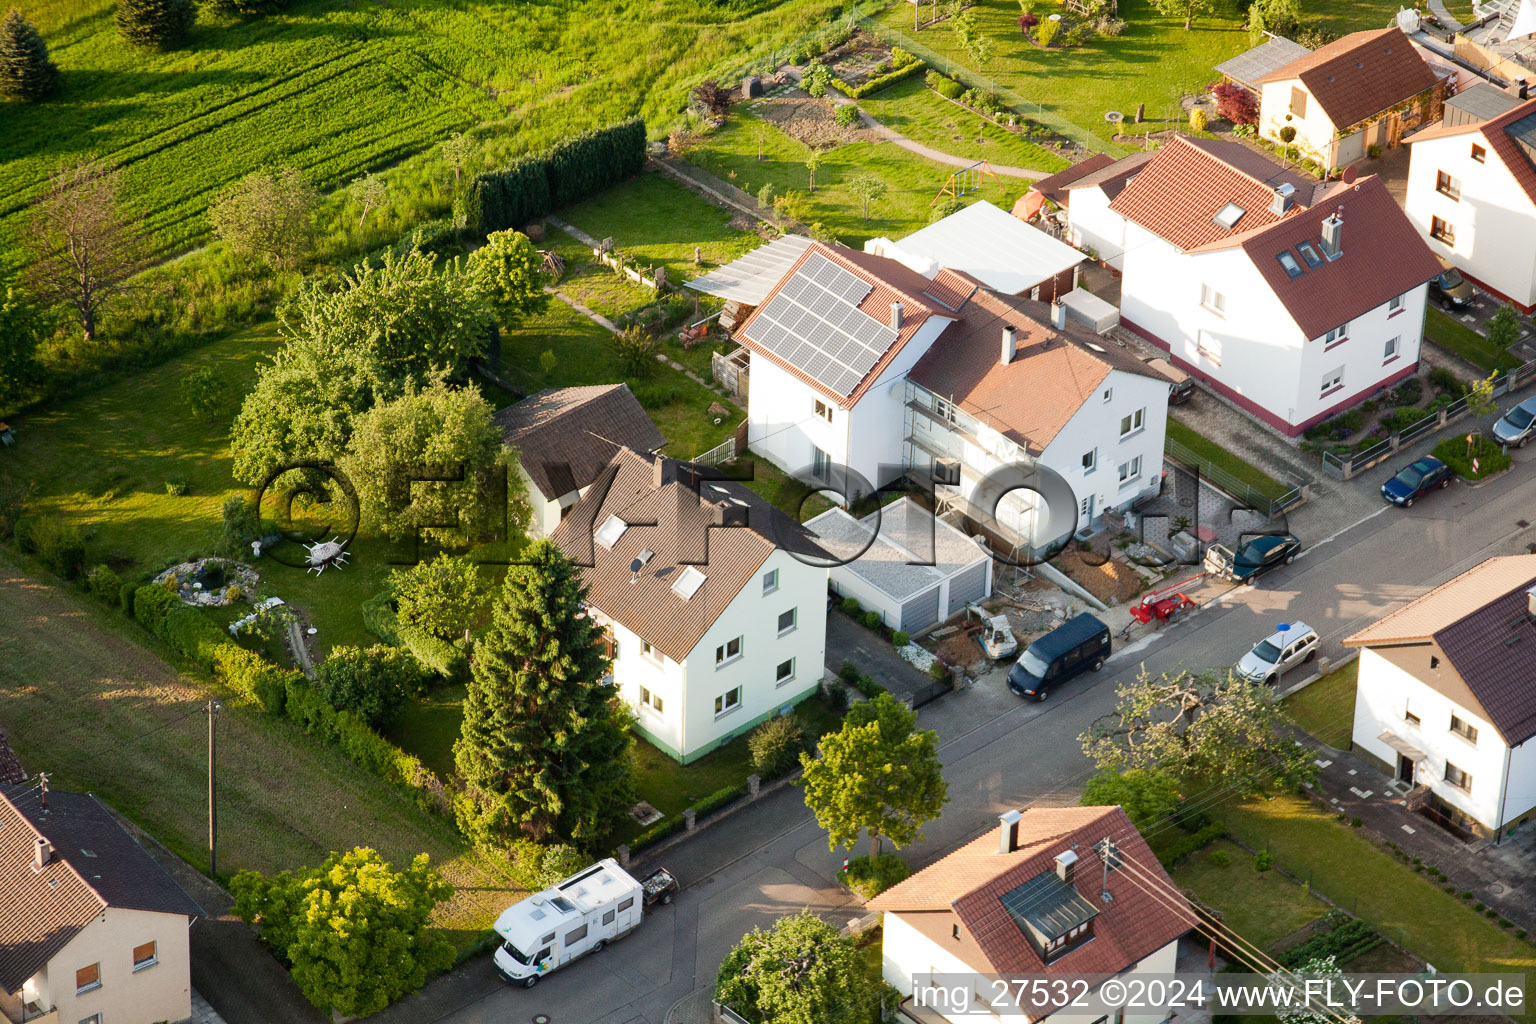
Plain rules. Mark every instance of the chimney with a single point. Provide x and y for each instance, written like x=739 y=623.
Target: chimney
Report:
x=1525 y=89
x=1058 y=316
x=1282 y=200
x=1333 y=234
x=895 y=316
x=41 y=854
x=729 y=513
x=1008 y=833
x=661 y=473
x=1066 y=860
x=1010 y=344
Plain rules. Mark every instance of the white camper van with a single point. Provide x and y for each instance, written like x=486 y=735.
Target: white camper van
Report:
x=579 y=915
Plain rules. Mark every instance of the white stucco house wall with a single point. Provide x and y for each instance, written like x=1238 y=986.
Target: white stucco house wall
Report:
x=1472 y=191
x=97 y=931
x=564 y=438
x=1364 y=89
x=1446 y=699
x=1091 y=225
x=1026 y=899
x=1269 y=286
x=714 y=601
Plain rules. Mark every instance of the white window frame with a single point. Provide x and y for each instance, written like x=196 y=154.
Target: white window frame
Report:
x=151 y=960
x=821 y=463
x=794 y=621
x=94 y=1018
x=1209 y=347
x=1090 y=461
x=822 y=410
x=651 y=701
x=1392 y=349
x=1213 y=300
x=779 y=676
x=1331 y=380
x=649 y=651
x=770 y=581
x=1337 y=334
x=1130 y=471
x=723 y=655
x=91 y=986
x=1396 y=302
x=1109 y=394
x=944 y=410
x=727 y=702
x=1133 y=423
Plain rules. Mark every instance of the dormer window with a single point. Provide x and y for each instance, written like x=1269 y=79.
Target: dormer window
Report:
x=1051 y=914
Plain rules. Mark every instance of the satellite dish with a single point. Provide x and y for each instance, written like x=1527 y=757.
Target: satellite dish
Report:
x=1350 y=174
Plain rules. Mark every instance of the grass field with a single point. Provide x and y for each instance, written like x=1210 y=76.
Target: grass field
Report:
x=1364 y=880
x=922 y=115
x=1458 y=338
x=1326 y=709
x=1154 y=61
x=913 y=181
x=1219 y=457
x=1262 y=906
x=335 y=88
x=114 y=719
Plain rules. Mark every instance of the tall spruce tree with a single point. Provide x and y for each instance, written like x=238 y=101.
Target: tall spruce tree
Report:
x=545 y=744
x=155 y=24
x=26 y=73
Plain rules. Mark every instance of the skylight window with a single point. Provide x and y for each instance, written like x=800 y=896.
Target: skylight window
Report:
x=688 y=583
x=1292 y=268
x=1229 y=215
x=609 y=533
x=1310 y=254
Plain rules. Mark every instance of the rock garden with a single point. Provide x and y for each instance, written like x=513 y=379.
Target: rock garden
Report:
x=211 y=582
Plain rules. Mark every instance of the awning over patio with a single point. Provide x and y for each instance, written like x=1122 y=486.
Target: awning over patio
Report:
x=1401 y=745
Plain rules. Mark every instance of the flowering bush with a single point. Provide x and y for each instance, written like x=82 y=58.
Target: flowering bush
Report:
x=1028 y=21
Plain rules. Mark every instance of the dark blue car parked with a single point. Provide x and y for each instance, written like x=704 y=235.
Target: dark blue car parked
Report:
x=1413 y=480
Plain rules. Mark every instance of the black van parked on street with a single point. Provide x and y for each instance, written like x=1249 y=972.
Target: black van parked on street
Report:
x=1077 y=645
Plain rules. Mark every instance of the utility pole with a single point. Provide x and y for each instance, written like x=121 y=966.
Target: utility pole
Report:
x=213 y=814
x=42 y=783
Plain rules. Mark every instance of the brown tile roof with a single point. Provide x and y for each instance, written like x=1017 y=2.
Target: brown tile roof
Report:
x=96 y=864
x=1360 y=74
x=1324 y=297
x=1480 y=621
x=682 y=535
x=1113 y=178
x=1054 y=186
x=1031 y=398
x=966 y=886
x=1186 y=183
x=566 y=436
x=891 y=282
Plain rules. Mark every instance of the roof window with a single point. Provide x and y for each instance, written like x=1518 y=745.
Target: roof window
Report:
x=688 y=583
x=1310 y=254
x=609 y=533
x=1292 y=268
x=1229 y=215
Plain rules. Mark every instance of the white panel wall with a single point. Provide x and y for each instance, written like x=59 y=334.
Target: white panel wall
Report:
x=1096 y=427
x=1363 y=356
x=1095 y=226
x=1494 y=220
x=1383 y=695
x=1314 y=131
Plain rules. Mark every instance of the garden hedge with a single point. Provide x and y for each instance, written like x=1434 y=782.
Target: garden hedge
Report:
x=1195 y=841
x=437 y=656
x=873 y=85
x=380 y=619
x=573 y=169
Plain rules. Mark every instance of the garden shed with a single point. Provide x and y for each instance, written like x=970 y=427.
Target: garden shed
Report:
x=889 y=576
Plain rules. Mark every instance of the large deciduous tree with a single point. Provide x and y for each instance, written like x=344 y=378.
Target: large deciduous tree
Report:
x=374 y=683
x=800 y=971
x=1186 y=9
x=155 y=24
x=1207 y=728
x=84 y=249
x=355 y=930
x=508 y=273
x=431 y=463
x=1148 y=795
x=878 y=774
x=545 y=742
x=443 y=597
x=26 y=72
x=268 y=215
x=23 y=325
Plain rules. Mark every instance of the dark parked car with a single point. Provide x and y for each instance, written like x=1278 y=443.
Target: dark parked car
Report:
x=1450 y=289
x=1254 y=559
x=1413 y=480
x=1078 y=645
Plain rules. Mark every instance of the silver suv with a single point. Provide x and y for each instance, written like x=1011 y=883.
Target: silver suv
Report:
x=1291 y=645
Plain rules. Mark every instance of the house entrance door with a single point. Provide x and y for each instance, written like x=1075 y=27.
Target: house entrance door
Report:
x=1404 y=769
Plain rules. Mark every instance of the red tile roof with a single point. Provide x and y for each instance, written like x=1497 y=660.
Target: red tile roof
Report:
x=1049 y=378
x=1496 y=132
x=1324 y=297
x=1178 y=194
x=1054 y=187
x=1360 y=74
x=1144 y=914
x=890 y=282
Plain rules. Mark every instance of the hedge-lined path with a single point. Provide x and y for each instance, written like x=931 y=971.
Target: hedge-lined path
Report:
x=891 y=135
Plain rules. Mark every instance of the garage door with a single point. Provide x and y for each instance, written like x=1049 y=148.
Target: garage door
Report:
x=968 y=586
x=921 y=611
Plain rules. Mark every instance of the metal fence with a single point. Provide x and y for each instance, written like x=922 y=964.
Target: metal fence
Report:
x=1246 y=494
x=1344 y=467
x=722 y=452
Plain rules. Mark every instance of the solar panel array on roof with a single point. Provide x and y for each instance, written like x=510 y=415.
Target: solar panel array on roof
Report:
x=815 y=325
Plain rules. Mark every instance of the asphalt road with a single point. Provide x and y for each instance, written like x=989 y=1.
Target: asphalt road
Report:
x=998 y=754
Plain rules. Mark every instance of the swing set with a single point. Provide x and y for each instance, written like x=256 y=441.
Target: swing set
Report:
x=965 y=181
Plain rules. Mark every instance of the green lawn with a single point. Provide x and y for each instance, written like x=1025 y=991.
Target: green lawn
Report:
x=1358 y=876
x=1221 y=458
x=337 y=89
x=1326 y=708
x=83 y=698
x=921 y=114
x=1456 y=337
x=913 y=181
x=429 y=726
x=1154 y=61
x=1262 y=906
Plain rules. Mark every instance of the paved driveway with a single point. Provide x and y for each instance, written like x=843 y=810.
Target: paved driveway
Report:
x=849 y=641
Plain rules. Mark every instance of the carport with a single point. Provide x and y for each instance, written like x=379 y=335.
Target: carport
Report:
x=916 y=570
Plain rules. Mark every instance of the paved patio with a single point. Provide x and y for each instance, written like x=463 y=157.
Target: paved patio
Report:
x=849 y=641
